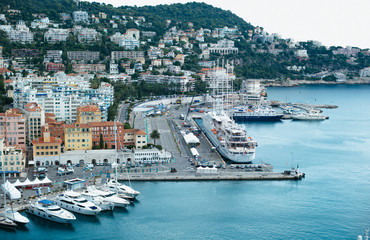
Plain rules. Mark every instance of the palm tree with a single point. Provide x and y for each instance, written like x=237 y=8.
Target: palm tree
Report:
x=155 y=135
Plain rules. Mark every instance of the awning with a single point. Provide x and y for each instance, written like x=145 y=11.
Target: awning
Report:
x=11 y=191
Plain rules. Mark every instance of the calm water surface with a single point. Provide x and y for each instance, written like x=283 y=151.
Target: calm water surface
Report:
x=332 y=202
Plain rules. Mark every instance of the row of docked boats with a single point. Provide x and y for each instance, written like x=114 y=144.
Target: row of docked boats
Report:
x=90 y=201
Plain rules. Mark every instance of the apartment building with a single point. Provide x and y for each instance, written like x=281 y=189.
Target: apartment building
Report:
x=83 y=55
x=13 y=128
x=54 y=35
x=25 y=53
x=90 y=68
x=80 y=16
x=46 y=150
x=132 y=55
x=105 y=130
x=12 y=160
x=88 y=113
x=77 y=137
x=35 y=118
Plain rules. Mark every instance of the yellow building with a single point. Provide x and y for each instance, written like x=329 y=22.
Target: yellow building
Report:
x=135 y=137
x=46 y=149
x=88 y=114
x=12 y=159
x=77 y=137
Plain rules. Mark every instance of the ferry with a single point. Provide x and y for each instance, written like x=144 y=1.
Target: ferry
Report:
x=229 y=138
x=258 y=113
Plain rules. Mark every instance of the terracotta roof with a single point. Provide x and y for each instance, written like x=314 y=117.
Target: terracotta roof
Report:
x=88 y=108
x=49 y=114
x=49 y=120
x=8 y=81
x=135 y=131
x=77 y=125
x=40 y=140
x=14 y=110
x=4 y=70
x=104 y=124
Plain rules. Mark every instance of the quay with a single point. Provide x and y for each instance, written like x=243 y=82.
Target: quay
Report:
x=250 y=176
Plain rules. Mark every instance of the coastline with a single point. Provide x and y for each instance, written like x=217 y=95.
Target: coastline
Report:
x=297 y=83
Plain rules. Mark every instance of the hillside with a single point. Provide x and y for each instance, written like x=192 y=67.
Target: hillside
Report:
x=260 y=54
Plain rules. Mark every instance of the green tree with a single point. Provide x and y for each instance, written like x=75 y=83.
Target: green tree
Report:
x=127 y=125
x=155 y=135
x=101 y=142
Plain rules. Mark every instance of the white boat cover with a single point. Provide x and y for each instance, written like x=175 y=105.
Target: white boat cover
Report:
x=11 y=191
x=190 y=138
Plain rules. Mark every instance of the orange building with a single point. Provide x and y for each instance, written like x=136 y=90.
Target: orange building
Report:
x=106 y=129
x=46 y=149
x=56 y=129
x=88 y=114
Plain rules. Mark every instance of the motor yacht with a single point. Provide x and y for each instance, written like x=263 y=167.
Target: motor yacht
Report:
x=120 y=188
x=109 y=197
x=49 y=210
x=98 y=201
x=74 y=202
x=16 y=217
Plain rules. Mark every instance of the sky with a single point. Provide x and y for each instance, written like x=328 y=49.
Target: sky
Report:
x=331 y=22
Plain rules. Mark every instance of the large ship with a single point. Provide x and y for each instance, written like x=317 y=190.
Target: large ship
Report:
x=229 y=138
x=257 y=113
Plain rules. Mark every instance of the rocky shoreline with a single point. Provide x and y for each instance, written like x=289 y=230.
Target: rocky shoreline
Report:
x=296 y=83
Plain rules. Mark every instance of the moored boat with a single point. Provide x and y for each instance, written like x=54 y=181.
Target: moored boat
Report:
x=49 y=210
x=74 y=202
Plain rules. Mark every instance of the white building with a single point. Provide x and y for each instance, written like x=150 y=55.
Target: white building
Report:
x=56 y=35
x=223 y=47
x=301 y=53
x=113 y=68
x=88 y=35
x=22 y=36
x=152 y=156
x=365 y=72
x=80 y=16
x=62 y=94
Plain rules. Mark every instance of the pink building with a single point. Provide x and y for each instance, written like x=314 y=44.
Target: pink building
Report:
x=13 y=128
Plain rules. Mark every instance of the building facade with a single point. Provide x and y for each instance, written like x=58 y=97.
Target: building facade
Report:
x=77 y=137
x=87 y=114
x=35 y=118
x=13 y=128
x=12 y=159
x=46 y=150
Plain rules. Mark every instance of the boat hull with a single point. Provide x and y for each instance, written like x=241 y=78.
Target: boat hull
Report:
x=76 y=209
x=244 y=118
x=36 y=212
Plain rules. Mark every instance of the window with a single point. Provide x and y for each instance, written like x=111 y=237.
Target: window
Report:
x=56 y=153
x=37 y=147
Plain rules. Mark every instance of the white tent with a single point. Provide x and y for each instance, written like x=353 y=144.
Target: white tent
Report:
x=194 y=152
x=11 y=191
x=26 y=182
x=46 y=180
x=36 y=182
x=17 y=183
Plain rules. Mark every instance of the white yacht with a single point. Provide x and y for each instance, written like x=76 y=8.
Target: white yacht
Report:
x=16 y=217
x=74 y=202
x=312 y=115
x=98 y=201
x=120 y=188
x=47 y=209
x=109 y=196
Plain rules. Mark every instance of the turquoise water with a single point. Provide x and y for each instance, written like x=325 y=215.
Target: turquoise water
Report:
x=332 y=202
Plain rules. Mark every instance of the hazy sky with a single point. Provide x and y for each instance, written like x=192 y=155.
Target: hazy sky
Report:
x=331 y=22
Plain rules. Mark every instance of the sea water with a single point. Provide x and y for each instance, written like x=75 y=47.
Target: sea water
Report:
x=332 y=202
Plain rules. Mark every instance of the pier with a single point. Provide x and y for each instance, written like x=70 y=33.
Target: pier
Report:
x=250 y=176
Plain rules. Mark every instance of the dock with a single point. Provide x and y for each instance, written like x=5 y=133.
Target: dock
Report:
x=236 y=176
